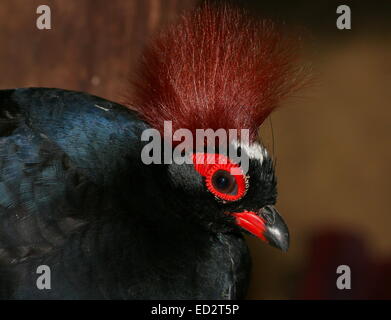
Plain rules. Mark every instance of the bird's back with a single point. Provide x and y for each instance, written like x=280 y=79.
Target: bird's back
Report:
x=59 y=152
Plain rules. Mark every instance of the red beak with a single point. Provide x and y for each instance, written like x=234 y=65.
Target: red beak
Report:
x=266 y=225
x=252 y=223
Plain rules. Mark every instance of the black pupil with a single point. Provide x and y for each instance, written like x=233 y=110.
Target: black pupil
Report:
x=223 y=181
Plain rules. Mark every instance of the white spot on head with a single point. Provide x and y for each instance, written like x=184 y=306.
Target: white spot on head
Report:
x=253 y=151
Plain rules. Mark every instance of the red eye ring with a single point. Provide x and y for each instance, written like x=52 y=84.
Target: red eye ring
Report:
x=207 y=168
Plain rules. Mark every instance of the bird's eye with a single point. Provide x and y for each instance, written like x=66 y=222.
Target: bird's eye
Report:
x=224 y=182
x=218 y=178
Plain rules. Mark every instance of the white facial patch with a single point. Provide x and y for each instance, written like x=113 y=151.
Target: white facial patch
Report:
x=254 y=151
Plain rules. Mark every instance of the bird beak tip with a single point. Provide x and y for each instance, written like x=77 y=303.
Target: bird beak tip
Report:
x=280 y=242
x=276 y=230
x=267 y=225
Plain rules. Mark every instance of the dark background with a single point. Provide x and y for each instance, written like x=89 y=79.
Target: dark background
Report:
x=332 y=141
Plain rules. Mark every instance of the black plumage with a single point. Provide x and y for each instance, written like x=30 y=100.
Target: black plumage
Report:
x=75 y=196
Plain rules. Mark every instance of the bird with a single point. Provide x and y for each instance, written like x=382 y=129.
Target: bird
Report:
x=76 y=196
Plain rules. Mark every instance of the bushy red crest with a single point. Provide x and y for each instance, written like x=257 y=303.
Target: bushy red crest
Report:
x=216 y=68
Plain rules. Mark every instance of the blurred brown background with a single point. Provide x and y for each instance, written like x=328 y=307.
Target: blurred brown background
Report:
x=331 y=142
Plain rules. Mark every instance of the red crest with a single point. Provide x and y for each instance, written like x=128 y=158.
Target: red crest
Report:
x=216 y=68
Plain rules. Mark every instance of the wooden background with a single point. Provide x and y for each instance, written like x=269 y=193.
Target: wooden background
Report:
x=332 y=142
x=93 y=45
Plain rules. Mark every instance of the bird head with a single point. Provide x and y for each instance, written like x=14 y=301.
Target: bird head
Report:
x=219 y=69
x=214 y=191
